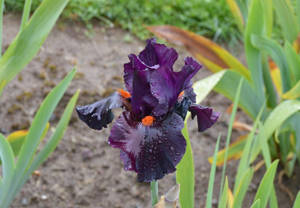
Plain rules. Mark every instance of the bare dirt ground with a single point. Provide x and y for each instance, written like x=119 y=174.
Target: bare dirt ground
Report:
x=84 y=171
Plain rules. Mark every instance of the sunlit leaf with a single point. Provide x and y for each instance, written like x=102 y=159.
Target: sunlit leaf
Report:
x=256 y=204
x=293 y=93
x=202 y=48
x=204 y=86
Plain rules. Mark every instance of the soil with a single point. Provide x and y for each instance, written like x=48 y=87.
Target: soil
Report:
x=84 y=171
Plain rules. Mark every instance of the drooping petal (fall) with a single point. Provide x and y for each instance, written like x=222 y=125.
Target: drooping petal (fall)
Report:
x=206 y=117
x=152 y=151
x=99 y=114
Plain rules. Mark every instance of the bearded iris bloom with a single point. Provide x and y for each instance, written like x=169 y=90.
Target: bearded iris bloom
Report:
x=157 y=99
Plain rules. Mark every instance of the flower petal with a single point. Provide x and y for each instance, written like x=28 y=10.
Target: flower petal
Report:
x=166 y=84
x=99 y=114
x=206 y=117
x=153 y=151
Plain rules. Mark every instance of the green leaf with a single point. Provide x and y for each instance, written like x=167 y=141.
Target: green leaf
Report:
x=229 y=132
x=185 y=174
x=256 y=204
x=249 y=101
x=236 y=12
x=8 y=168
x=212 y=176
x=204 y=86
x=35 y=132
x=265 y=187
x=26 y=13
x=278 y=55
x=293 y=93
x=253 y=55
x=242 y=188
x=154 y=192
x=1 y=26
x=29 y=40
x=54 y=139
x=297 y=201
x=244 y=164
x=276 y=118
x=268 y=16
x=185 y=169
x=286 y=19
x=298 y=12
x=224 y=196
x=7 y=158
x=293 y=60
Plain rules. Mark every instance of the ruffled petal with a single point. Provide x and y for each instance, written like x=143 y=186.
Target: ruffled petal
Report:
x=166 y=84
x=99 y=114
x=151 y=151
x=206 y=117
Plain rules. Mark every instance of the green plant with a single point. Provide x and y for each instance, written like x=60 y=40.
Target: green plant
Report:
x=208 y=18
x=271 y=75
x=23 y=144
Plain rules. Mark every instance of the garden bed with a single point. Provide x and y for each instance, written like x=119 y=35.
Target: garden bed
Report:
x=85 y=171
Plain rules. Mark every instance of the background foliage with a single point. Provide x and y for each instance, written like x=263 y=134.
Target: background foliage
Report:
x=211 y=18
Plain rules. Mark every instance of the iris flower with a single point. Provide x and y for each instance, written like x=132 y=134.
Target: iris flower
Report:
x=148 y=132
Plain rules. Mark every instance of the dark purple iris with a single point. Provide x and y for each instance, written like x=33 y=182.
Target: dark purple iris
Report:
x=148 y=132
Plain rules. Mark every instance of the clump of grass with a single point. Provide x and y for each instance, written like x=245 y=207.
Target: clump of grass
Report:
x=206 y=17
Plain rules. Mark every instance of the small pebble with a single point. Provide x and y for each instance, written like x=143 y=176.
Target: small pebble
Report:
x=44 y=197
x=24 y=201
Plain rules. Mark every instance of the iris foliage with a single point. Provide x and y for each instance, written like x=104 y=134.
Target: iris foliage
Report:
x=271 y=74
x=18 y=151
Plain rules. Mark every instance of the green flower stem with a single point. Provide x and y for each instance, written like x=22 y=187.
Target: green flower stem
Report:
x=154 y=192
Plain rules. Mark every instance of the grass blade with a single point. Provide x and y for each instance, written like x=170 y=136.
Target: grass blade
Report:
x=185 y=174
x=224 y=195
x=212 y=176
x=232 y=117
x=242 y=188
x=293 y=60
x=29 y=40
x=245 y=159
x=265 y=187
x=26 y=13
